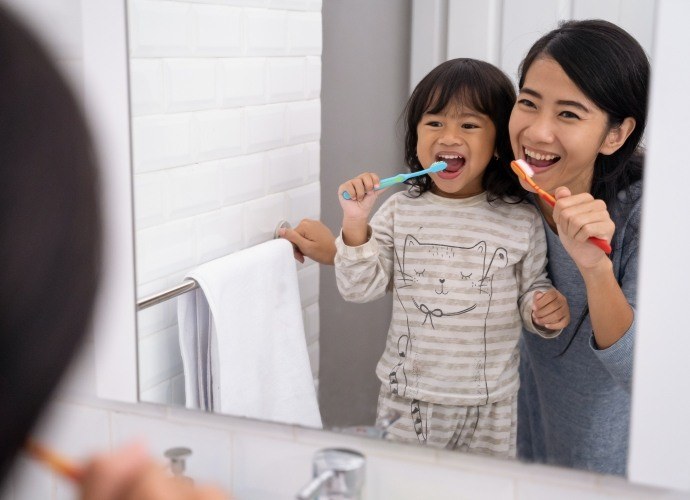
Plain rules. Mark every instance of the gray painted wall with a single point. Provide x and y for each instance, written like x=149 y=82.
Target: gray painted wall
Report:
x=365 y=86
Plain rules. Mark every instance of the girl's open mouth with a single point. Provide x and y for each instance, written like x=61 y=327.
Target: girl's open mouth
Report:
x=454 y=164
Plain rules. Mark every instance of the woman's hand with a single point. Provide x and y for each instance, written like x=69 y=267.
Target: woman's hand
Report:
x=550 y=310
x=311 y=238
x=131 y=474
x=579 y=217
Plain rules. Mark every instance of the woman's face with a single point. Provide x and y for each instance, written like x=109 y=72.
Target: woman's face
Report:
x=556 y=129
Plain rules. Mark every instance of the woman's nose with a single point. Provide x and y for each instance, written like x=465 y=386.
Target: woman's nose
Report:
x=540 y=130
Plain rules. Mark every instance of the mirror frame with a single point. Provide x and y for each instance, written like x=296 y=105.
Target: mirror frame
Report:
x=657 y=453
x=106 y=97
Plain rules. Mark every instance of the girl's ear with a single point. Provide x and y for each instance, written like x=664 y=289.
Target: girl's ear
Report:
x=617 y=136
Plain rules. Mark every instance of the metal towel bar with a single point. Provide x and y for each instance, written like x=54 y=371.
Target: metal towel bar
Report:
x=186 y=285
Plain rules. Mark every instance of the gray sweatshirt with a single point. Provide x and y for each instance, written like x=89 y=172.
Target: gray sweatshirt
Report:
x=574 y=399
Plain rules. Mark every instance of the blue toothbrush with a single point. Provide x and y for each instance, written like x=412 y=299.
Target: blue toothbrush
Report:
x=396 y=179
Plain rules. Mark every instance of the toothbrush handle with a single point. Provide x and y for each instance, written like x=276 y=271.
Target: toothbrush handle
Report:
x=390 y=181
x=383 y=184
x=603 y=244
x=396 y=179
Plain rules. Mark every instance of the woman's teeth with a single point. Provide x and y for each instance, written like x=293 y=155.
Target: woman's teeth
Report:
x=539 y=156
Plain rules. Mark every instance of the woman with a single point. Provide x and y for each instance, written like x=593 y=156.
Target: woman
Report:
x=578 y=120
x=49 y=264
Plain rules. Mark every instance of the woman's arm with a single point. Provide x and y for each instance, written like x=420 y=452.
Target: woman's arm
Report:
x=311 y=238
x=578 y=217
x=609 y=310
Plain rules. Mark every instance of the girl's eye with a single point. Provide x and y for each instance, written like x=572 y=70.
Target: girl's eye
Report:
x=526 y=102
x=434 y=124
x=569 y=114
x=469 y=125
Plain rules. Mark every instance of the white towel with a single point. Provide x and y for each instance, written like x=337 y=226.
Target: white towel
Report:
x=248 y=356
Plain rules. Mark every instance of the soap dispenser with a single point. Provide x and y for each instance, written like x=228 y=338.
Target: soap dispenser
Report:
x=178 y=457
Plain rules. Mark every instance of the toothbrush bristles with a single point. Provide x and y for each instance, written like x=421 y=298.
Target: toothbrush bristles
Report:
x=437 y=166
x=525 y=167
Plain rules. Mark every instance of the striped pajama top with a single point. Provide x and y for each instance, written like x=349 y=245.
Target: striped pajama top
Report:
x=463 y=273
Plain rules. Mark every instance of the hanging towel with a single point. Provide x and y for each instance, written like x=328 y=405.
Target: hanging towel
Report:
x=242 y=338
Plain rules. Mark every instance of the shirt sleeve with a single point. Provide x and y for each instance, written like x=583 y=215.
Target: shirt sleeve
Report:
x=363 y=273
x=532 y=277
x=618 y=358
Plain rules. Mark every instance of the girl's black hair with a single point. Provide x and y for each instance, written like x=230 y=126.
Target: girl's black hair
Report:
x=49 y=232
x=611 y=69
x=487 y=90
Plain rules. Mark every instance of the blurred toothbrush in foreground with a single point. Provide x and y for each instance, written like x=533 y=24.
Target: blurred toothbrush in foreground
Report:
x=397 y=179
x=525 y=172
x=55 y=461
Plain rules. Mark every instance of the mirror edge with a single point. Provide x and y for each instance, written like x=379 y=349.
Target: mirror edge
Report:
x=106 y=98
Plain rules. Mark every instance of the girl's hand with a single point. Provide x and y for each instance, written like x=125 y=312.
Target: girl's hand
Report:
x=550 y=310
x=578 y=217
x=362 y=196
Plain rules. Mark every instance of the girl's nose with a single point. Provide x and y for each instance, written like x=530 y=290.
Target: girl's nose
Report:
x=450 y=137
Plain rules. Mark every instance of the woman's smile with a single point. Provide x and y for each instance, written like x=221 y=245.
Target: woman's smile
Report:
x=539 y=160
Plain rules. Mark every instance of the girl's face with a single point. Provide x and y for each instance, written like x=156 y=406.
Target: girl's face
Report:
x=557 y=129
x=464 y=139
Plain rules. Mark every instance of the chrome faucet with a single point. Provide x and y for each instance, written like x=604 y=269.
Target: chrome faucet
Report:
x=338 y=474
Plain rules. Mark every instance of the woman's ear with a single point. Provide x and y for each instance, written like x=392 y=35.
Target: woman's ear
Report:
x=617 y=136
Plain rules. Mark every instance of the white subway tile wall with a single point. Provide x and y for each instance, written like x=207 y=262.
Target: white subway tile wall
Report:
x=225 y=130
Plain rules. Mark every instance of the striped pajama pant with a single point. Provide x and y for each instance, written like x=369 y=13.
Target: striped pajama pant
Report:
x=486 y=429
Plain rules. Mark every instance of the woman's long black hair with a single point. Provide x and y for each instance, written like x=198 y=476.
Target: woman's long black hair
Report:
x=49 y=232
x=611 y=69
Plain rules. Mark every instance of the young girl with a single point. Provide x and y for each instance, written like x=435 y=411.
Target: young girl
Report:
x=465 y=260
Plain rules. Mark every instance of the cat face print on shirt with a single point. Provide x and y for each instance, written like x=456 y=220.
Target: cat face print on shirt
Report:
x=443 y=281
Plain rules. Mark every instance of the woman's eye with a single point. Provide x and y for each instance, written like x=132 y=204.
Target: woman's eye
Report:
x=569 y=114
x=526 y=102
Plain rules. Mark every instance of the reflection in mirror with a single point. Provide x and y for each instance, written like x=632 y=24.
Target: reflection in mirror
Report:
x=242 y=117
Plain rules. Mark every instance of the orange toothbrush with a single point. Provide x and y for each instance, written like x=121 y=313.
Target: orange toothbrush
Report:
x=525 y=172
x=58 y=463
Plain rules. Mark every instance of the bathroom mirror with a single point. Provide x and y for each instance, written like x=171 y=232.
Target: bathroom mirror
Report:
x=247 y=113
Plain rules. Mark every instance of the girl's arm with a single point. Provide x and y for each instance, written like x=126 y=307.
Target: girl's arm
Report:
x=532 y=279
x=311 y=238
x=363 y=273
x=577 y=218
